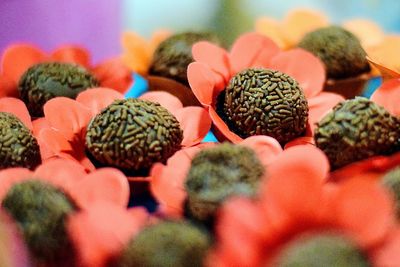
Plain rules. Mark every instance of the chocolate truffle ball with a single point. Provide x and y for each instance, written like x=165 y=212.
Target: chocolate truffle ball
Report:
x=168 y=243
x=44 y=81
x=340 y=51
x=41 y=211
x=322 y=250
x=357 y=129
x=18 y=147
x=391 y=181
x=173 y=55
x=220 y=172
x=133 y=134
x=265 y=102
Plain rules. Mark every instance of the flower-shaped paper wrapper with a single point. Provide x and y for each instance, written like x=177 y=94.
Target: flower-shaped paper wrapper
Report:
x=168 y=180
x=214 y=67
x=63 y=129
x=17 y=58
x=296 y=199
x=101 y=233
x=138 y=54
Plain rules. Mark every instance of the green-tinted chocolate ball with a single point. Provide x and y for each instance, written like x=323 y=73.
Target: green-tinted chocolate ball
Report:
x=339 y=49
x=391 y=181
x=18 y=147
x=357 y=129
x=322 y=250
x=176 y=244
x=220 y=172
x=265 y=102
x=173 y=55
x=41 y=210
x=133 y=134
x=44 y=81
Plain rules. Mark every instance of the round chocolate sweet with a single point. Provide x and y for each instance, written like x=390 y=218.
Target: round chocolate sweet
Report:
x=18 y=147
x=167 y=244
x=133 y=134
x=339 y=49
x=391 y=181
x=265 y=102
x=41 y=210
x=173 y=55
x=217 y=173
x=44 y=81
x=321 y=250
x=357 y=129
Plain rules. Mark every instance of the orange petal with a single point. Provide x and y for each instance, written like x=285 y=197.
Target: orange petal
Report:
x=195 y=123
x=213 y=56
x=18 y=58
x=97 y=99
x=251 y=50
x=17 y=108
x=383 y=53
x=11 y=176
x=305 y=140
x=106 y=184
x=295 y=180
x=266 y=147
x=38 y=125
x=203 y=84
x=386 y=72
x=299 y=22
x=52 y=142
x=167 y=184
x=272 y=29
x=168 y=101
x=61 y=172
x=304 y=67
x=8 y=87
x=388 y=254
x=72 y=54
x=101 y=233
x=114 y=74
x=364 y=209
x=387 y=96
x=137 y=52
x=67 y=116
x=322 y=104
x=221 y=129
x=368 y=32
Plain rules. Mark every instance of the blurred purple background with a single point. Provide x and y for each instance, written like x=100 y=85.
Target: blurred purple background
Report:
x=94 y=24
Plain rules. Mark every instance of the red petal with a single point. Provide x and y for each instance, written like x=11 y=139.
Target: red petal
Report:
x=38 y=125
x=195 y=123
x=304 y=67
x=266 y=147
x=114 y=74
x=53 y=142
x=11 y=176
x=364 y=209
x=306 y=140
x=203 y=83
x=386 y=96
x=18 y=58
x=389 y=253
x=97 y=99
x=106 y=184
x=251 y=50
x=101 y=233
x=8 y=87
x=18 y=108
x=213 y=56
x=168 y=101
x=67 y=116
x=221 y=129
x=322 y=104
x=72 y=54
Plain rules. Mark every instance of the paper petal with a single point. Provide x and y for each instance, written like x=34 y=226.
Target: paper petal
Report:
x=203 y=84
x=387 y=96
x=266 y=148
x=72 y=54
x=168 y=101
x=17 y=108
x=304 y=67
x=97 y=99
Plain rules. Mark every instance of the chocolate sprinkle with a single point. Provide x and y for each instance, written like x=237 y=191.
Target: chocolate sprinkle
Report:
x=133 y=134
x=44 y=81
x=265 y=102
x=357 y=129
x=18 y=147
